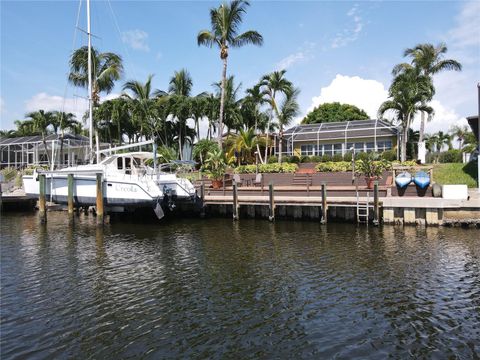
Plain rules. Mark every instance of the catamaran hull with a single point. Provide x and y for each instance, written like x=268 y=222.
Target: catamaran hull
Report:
x=116 y=194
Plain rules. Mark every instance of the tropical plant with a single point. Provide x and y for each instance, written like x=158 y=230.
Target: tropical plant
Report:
x=63 y=121
x=408 y=94
x=245 y=144
x=460 y=132
x=41 y=121
x=274 y=85
x=106 y=69
x=202 y=147
x=331 y=112
x=225 y=21
x=215 y=164
x=372 y=166
x=428 y=60
x=443 y=139
x=287 y=112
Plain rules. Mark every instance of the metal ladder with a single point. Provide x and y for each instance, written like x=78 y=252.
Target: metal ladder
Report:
x=363 y=209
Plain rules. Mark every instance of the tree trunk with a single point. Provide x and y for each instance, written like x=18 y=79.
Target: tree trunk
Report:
x=422 y=127
x=222 y=103
x=45 y=147
x=268 y=137
x=97 y=145
x=61 y=146
x=280 y=144
x=405 y=139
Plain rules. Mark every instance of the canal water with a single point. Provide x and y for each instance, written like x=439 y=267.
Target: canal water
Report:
x=250 y=289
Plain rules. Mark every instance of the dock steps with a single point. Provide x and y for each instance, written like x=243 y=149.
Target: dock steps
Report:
x=363 y=209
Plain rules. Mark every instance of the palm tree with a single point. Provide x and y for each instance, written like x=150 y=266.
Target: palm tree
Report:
x=202 y=147
x=106 y=69
x=459 y=132
x=41 y=121
x=63 y=121
x=273 y=85
x=180 y=105
x=443 y=139
x=288 y=110
x=428 y=60
x=231 y=108
x=225 y=21
x=430 y=142
x=245 y=143
x=142 y=104
x=408 y=93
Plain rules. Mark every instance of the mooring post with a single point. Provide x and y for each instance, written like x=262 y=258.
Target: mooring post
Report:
x=70 y=197
x=324 y=203
x=99 y=207
x=376 y=206
x=235 y=201
x=308 y=184
x=202 y=200
x=42 y=204
x=271 y=203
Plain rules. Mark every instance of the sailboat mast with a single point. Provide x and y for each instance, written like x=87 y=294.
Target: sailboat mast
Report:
x=90 y=100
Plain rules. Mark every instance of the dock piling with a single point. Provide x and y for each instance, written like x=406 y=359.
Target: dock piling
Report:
x=42 y=203
x=202 y=200
x=376 y=206
x=324 y=203
x=271 y=203
x=235 y=201
x=70 y=198
x=99 y=204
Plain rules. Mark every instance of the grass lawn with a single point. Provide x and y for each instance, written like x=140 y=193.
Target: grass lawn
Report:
x=456 y=173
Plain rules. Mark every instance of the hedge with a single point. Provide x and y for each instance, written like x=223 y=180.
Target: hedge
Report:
x=266 y=168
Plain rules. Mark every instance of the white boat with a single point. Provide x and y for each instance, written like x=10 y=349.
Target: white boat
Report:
x=128 y=183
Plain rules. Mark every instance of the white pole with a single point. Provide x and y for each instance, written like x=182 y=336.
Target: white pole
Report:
x=478 y=139
x=90 y=104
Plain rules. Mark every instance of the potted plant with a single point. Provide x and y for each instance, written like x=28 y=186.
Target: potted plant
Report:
x=370 y=167
x=215 y=166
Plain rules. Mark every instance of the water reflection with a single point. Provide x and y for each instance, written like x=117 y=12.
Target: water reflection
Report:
x=246 y=289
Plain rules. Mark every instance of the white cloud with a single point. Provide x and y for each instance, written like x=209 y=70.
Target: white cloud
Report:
x=136 y=39
x=467 y=30
x=350 y=33
x=304 y=53
x=44 y=101
x=444 y=118
x=366 y=94
x=159 y=56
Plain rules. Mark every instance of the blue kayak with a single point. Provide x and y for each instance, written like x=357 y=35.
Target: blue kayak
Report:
x=403 y=179
x=421 y=179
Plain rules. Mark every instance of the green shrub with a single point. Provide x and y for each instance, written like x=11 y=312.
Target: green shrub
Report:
x=337 y=157
x=267 y=168
x=361 y=156
x=432 y=157
x=347 y=156
x=315 y=159
x=390 y=155
x=326 y=158
x=9 y=174
x=274 y=159
x=304 y=159
x=331 y=166
x=450 y=156
x=294 y=159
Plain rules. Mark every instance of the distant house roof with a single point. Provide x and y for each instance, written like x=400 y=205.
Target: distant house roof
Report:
x=341 y=130
x=473 y=122
x=38 y=138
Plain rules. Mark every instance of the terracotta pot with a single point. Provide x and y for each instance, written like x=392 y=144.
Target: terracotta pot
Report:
x=217 y=184
x=370 y=180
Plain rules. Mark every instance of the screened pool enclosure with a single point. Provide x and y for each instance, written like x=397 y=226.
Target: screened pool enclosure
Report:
x=339 y=138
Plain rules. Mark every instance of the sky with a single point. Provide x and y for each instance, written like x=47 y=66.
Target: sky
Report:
x=332 y=50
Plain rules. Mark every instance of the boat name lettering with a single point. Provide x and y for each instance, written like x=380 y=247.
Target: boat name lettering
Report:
x=126 y=188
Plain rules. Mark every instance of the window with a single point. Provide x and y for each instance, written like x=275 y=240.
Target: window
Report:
x=380 y=145
x=358 y=147
x=119 y=163
x=307 y=150
x=349 y=146
x=327 y=149
x=337 y=148
x=388 y=144
x=370 y=146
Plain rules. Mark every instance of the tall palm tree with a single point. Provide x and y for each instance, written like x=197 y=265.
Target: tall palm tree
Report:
x=141 y=97
x=41 y=121
x=288 y=110
x=428 y=59
x=443 y=139
x=407 y=94
x=275 y=85
x=225 y=21
x=231 y=108
x=460 y=132
x=63 y=121
x=180 y=104
x=106 y=69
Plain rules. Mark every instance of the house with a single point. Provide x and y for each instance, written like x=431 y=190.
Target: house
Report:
x=20 y=152
x=340 y=137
